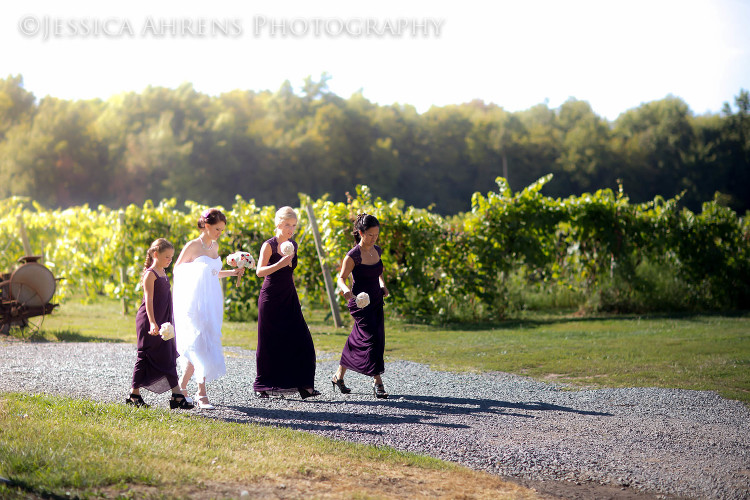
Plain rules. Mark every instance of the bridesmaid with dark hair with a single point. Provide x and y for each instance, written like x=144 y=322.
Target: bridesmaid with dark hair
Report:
x=285 y=357
x=199 y=306
x=365 y=346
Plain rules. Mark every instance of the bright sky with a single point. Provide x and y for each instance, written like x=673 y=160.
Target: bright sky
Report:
x=519 y=53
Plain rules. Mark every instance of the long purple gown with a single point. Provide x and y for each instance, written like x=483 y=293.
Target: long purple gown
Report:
x=365 y=346
x=285 y=358
x=156 y=363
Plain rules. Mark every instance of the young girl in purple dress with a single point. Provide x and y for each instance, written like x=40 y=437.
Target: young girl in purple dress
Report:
x=156 y=364
x=365 y=347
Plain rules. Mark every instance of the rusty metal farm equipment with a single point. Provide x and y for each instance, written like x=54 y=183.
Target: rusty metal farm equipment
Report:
x=25 y=295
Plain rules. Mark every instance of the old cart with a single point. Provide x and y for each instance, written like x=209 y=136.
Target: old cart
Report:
x=25 y=296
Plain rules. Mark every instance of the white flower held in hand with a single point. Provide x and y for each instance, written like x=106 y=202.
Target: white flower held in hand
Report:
x=362 y=300
x=287 y=248
x=166 y=331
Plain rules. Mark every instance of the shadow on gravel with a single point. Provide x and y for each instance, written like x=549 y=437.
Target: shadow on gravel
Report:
x=465 y=406
x=329 y=421
x=423 y=410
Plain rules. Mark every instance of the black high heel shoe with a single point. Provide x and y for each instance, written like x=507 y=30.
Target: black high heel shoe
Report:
x=136 y=400
x=337 y=382
x=179 y=401
x=304 y=393
x=379 y=391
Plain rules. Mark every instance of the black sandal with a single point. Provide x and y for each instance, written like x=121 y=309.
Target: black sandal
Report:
x=339 y=382
x=304 y=393
x=379 y=391
x=179 y=401
x=136 y=400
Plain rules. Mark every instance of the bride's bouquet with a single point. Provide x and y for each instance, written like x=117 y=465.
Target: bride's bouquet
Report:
x=241 y=259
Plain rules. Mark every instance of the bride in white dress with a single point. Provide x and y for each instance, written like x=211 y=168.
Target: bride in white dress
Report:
x=199 y=306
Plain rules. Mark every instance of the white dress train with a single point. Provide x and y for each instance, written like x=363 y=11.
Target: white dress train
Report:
x=198 y=315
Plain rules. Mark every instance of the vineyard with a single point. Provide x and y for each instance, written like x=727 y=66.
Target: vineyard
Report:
x=512 y=251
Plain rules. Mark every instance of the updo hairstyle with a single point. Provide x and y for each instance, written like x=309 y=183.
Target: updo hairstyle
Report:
x=283 y=214
x=211 y=216
x=363 y=223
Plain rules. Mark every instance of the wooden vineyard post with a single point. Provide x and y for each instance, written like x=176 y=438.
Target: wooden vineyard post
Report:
x=123 y=271
x=330 y=289
x=24 y=236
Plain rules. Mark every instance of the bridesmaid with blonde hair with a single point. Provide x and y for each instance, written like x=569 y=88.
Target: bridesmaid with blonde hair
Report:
x=285 y=357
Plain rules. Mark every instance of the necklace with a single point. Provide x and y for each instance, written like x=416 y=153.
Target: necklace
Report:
x=204 y=246
x=371 y=252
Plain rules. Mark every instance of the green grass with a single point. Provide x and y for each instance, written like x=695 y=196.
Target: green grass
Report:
x=61 y=447
x=705 y=352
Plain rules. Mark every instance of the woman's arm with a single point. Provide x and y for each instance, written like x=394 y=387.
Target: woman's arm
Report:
x=346 y=268
x=231 y=272
x=148 y=298
x=263 y=268
x=382 y=285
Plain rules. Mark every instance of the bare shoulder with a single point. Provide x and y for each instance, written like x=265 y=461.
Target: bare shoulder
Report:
x=347 y=265
x=189 y=251
x=265 y=250
x=148 y=278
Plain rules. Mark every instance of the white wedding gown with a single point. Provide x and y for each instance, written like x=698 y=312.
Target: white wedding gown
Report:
x=198 y=315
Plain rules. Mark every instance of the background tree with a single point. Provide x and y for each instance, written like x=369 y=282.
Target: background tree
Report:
x=269 y=146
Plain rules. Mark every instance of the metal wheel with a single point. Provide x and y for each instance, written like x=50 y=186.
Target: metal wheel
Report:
x=26 y=316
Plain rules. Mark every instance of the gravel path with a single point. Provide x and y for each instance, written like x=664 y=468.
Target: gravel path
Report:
x=661 y=441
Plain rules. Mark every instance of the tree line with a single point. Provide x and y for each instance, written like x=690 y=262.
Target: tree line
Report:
x=270 y=146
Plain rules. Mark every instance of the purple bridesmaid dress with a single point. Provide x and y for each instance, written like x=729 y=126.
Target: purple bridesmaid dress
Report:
x=156 y=363
x=365 y=346
x=285 y=358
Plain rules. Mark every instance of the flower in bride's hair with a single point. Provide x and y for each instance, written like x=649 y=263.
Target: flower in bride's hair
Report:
x=166 y=331
x=362 y=300
x=205 y=214
x=287 y=248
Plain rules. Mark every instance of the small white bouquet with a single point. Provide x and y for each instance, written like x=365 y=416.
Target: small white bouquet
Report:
x=166 y=331
x=241 y=259
x=362 y=300
x=287 y=248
